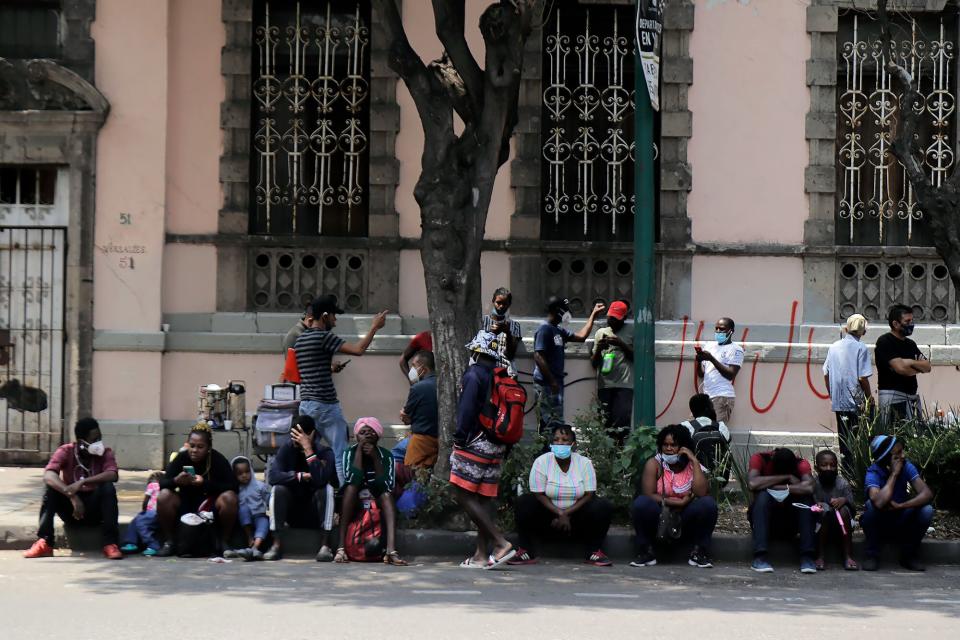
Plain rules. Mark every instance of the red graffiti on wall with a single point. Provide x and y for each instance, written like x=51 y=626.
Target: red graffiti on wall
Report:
x=783 y=370
x=676 y=382
x=756 y=361
x=822 y=396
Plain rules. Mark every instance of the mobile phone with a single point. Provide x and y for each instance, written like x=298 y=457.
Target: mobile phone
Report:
x=343 y=364
x=190 y=470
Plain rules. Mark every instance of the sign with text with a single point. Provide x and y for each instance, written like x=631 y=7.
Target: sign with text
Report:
x=649 y=30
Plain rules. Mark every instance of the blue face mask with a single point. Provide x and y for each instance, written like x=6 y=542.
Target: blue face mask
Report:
x=562 y=451
x=907 y=330
x=721 y=338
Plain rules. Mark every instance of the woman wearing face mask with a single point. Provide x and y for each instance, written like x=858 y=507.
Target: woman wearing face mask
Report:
x=562 y=502
x=79 y=483
x=674 y=479
x=199 y=478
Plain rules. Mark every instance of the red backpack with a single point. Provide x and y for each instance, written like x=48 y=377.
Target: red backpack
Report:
x=364 y=539
x=502 y=415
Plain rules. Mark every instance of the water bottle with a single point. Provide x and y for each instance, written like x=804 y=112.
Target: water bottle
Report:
x=608 y=359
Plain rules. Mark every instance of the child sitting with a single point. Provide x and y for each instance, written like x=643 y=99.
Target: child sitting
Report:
x=142 y=529
x=254 y=500
x=833 y=495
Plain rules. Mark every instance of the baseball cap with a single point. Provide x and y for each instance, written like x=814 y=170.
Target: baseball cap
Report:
x=325 y=304
x=617 y=310
x=558 y=304
x=856 y=322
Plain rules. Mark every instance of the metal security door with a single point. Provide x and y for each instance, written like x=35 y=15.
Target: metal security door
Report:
x=32 y=273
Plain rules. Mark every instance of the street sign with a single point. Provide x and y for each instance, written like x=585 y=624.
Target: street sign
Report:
x=649 y=30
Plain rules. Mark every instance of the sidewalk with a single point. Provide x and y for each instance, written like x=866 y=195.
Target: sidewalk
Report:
x=21 y=490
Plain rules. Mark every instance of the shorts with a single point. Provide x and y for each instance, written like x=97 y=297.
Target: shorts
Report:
x=476 y=466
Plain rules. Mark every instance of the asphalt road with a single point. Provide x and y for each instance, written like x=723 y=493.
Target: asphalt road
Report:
x=84 y=598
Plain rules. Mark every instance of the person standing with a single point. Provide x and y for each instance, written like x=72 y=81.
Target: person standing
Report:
x=297 y=330
x=475 y=460
x=847 y=372
x=899 y=360
x=420 y=412
x=314 y=351
x=613 y=359
x=79 y=487
x=500 y=324
x=549 y=354
x=718 y=364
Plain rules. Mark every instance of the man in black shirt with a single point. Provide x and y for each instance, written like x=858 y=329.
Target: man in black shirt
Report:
x=899 y=360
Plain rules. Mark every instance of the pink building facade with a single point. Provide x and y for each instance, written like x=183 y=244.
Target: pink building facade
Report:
x=177 y=178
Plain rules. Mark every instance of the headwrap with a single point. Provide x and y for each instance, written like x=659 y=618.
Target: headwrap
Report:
x=373 y=423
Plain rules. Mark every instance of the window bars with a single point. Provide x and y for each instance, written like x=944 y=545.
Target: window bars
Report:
x=587 y=140
x=876 y=203
x=311 y=118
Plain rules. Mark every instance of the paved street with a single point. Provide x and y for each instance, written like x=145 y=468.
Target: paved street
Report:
x=84 y=598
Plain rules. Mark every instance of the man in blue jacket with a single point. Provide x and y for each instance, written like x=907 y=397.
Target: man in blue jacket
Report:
x=304 y=476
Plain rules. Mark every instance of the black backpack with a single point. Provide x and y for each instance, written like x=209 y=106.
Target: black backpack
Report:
x=711 y=444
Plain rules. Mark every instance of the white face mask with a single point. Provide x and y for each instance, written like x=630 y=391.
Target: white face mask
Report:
x=672 y=458
x=566 y=317
x=779 y=494
x=96 y=448
x=413 y=376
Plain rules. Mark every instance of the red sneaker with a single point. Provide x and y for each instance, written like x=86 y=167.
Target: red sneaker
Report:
x=112 y=552
x=598 y=559
x=523 y=557
x=40 y=549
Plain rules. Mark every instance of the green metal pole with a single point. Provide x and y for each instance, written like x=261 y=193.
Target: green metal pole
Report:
x=644 y=258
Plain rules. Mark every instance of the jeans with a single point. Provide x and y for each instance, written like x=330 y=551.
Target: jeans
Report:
x=332 y=426
x=618 y=410
x=300 y=505
x=906 y=527
x=259 y=522
x=549 y=406
x=143 y=530
x=99 y=506
x=780 y=519
x=588 y=524
x=697 y=521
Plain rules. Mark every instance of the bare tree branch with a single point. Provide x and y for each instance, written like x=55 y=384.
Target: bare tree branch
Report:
x=449 y=17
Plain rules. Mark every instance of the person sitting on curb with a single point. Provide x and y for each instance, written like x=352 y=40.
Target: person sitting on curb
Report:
x=475 y=460
x=674 y=479
x=890 y=513
x=368 y=466
x=303 y=476
x=562 y=502
x=198 y=479
x=79 y=481
x=778 y=479
x=833 y=495
x=142 y=531
x=254 y=498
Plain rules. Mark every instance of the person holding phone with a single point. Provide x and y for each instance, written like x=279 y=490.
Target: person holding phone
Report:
x=314 y=351
x=500 y=324
x=304 y=476
x=718 y=364
x=198 y=478
x=673 y=479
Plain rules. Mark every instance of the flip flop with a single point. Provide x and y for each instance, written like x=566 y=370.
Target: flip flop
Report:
x=470 y=564
x=493 y=563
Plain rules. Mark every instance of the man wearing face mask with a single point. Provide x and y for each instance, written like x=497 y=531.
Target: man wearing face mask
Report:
x=420 y=412
x=777 y=479
x=613 y=359
x=549 y=354
x=718 y=364
x=899 y=360
x=79 y=483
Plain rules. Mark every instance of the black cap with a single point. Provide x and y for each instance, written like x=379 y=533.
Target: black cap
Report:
x=324 y=304
x=558 y=304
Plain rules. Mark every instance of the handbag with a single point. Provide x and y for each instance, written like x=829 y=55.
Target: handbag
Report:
x=669 y=524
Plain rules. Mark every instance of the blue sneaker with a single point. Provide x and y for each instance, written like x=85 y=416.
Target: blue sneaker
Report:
x=760 y=565
x=150 y=551
x=807 y=566
x=129 y=548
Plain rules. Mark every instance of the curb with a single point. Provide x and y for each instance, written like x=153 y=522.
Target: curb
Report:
x=439 y=543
